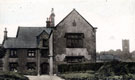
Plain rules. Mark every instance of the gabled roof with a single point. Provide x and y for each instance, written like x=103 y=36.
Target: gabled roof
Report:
x=26 y=37
x=42 y=33
x=74 y=11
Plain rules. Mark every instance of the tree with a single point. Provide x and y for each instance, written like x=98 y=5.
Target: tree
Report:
x=2 y=51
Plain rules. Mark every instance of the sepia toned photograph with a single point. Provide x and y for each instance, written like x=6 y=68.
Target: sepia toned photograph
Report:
x=67 y=39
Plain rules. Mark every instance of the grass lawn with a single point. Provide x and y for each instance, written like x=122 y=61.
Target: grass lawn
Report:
x=88 y=74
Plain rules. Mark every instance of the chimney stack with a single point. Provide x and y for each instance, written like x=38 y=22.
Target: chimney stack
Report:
x=52 y=18
x=5 y=34
x=48 y=23
x=51 y=21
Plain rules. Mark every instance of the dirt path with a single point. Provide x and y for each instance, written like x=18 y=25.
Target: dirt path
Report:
x=44 y=77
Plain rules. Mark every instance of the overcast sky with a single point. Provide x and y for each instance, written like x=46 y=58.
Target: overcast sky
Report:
x=115 y=19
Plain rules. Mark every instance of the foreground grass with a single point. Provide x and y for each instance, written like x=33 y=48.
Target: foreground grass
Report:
x=86 y=75
x=111 y=70
x=80 y=75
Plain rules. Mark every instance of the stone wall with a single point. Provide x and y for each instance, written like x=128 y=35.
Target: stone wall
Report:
x=22 y=60
x=81 y=26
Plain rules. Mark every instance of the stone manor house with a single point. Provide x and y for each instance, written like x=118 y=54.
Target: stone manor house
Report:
x=42 y=49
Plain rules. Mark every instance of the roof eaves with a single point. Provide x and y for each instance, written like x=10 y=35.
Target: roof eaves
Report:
x=42 y=32
x=18 y=31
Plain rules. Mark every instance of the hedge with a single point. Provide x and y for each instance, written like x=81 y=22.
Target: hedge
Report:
x=12 y=76
x=62 y=68
x=80 y=67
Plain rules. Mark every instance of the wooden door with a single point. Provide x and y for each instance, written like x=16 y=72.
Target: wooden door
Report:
x=44 y=68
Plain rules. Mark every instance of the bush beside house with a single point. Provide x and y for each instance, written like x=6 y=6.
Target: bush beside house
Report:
x=12 y=76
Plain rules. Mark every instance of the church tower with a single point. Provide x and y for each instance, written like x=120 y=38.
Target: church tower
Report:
x=125 y=46
x=126 y=50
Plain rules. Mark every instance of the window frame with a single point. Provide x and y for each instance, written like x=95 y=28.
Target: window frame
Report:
x=74 y=40
x=74 y=59
x=31 y=66
x=45 y=43
x=46 y=51
x=31 y=53
x=13 y=66
x=13 y=53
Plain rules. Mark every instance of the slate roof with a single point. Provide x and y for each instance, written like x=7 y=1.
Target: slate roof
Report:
x=106 y=57
x=26 y=37
x=110 y=57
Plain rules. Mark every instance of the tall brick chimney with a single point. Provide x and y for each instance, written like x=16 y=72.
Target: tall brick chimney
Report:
x=5 y=34
x=52 y=18
x=48 y=23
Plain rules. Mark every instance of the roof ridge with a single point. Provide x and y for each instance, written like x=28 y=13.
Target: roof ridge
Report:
x=11 y=37
x=32 y=26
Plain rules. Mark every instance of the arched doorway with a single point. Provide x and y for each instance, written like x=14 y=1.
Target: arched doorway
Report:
x=44 y=68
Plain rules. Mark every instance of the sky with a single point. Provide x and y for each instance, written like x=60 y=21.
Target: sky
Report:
x=113 y=18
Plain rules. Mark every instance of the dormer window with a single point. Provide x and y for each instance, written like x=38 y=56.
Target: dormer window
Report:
x=45 y=43
x=13 y=53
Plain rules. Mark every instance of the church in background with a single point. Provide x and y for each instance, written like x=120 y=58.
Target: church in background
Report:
x=126 y=50
x=123 y=55
x=41 y=49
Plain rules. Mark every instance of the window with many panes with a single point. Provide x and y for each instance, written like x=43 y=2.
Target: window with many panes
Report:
x=31 y=53
x=44 y=53
x=74 y=40
x=73 y=59
x=45 y=43
x=13 y=53
x=31 y=66
x=13 y=66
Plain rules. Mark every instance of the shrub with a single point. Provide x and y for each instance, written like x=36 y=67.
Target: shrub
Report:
x=31 y=72
x=12 y=76
x=78 y=67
